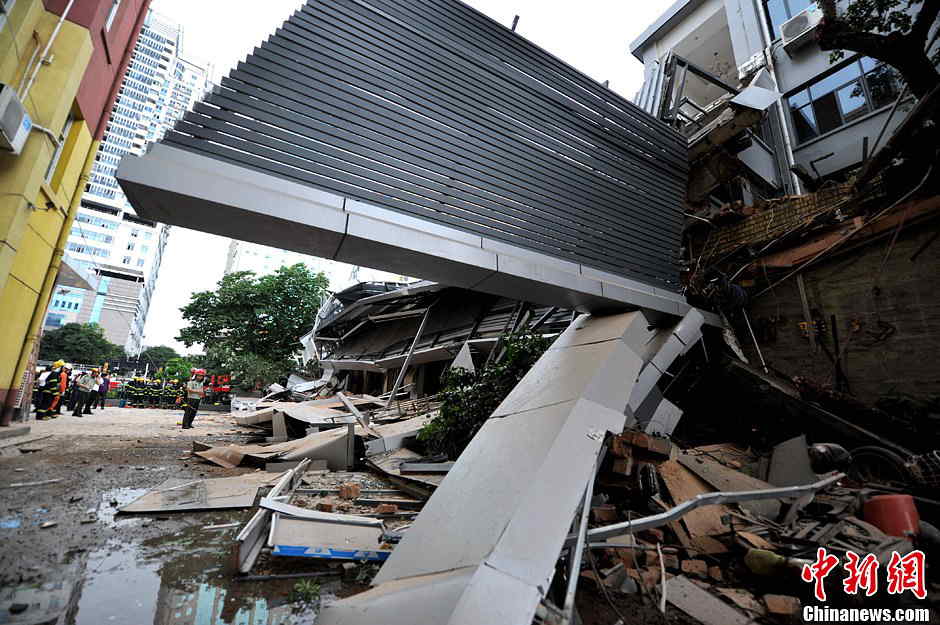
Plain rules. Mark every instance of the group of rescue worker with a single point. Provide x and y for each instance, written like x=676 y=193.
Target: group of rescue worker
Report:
x=156 y=393
x=78 y=391
x=81 y=391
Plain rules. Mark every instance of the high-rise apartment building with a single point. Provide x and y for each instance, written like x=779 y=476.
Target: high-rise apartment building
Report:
x=63 y=61
x=125 y=250
x=263 y=260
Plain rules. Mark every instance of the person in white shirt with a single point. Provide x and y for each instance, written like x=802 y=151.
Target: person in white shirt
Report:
x=83 y=385
x=195 y=391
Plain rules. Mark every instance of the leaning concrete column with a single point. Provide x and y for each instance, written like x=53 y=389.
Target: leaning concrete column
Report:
x=484 y=548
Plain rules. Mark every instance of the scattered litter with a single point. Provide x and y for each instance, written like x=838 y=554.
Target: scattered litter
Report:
x=48 y=524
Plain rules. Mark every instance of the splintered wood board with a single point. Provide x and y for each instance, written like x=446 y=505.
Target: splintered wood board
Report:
x=723 y=478
x=684 y=485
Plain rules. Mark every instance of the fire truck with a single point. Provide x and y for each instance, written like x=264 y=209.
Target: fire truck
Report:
x=218 y=389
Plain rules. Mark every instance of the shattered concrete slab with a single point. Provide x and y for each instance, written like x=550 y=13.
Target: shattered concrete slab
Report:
x=177 y=495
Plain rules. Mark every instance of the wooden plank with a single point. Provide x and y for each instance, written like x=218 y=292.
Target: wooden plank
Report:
x=723 y=478
x=701 y=604
x=708 y=545
x=684 y=485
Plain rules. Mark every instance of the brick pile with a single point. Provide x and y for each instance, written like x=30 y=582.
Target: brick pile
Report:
x=774 y=218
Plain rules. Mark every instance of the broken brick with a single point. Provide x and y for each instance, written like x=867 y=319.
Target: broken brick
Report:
x=782 y=605
x=653 y=535
x=387 y=508
x=623 y=466
x=349 y=490
x=714 y=572
x=324 y=506
x=671 y=561
x=698 y=568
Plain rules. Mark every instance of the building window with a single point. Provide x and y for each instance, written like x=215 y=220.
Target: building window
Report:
x=130 y=246
x=54 y=163
x=862 y=86
x=779 y=11
x=126 y=260
x=140 y=262
x=115 y=5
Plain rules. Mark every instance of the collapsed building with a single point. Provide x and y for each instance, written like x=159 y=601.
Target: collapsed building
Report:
x=369 y=337
x=425 y=139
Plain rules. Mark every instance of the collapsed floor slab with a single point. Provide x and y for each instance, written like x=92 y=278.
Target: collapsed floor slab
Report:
x=522 y=478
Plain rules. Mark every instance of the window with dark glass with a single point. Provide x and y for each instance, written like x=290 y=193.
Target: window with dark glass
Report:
x=862 y=86
x=779 y=11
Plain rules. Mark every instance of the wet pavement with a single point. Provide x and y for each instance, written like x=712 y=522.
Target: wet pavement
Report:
x=93 y=566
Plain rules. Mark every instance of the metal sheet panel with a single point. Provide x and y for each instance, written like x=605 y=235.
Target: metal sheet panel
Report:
x=430 y=109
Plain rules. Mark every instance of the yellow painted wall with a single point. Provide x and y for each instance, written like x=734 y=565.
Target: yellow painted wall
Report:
x=34 y=209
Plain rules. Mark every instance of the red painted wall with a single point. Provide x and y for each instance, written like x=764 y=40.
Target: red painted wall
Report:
x=111 y=54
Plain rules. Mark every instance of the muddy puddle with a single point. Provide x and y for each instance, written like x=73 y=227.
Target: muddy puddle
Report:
x=183 y=577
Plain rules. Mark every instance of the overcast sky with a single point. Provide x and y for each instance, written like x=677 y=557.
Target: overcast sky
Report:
x=591 y=35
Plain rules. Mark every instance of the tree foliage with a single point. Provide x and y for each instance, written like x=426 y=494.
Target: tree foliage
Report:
x=177 y=368
x=83 y=343
x=158 y=356
x=470 y=398
x=250 y=325
x=892 y=31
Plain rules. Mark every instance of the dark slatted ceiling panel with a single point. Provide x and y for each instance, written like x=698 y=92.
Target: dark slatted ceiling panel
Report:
x=430 y=108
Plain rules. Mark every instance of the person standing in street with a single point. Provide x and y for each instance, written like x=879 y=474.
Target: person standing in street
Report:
x=83 y=385
x=103 y=389
x=93 y=392
x=195 y=391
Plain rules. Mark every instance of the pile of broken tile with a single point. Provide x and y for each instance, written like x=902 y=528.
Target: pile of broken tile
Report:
x=725 y=563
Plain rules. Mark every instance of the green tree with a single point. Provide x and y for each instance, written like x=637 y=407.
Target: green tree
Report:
x=177 y=369
x=251 y=325
x=892 y=31
x=158 y=356
x=78 y=343
x=468 y=399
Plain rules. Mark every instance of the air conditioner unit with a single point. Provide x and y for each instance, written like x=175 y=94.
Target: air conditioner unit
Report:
x=798 y=31
x=15 y=123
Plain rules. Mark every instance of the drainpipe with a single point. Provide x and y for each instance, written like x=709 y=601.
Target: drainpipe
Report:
x=44 y=57
x=42 y=302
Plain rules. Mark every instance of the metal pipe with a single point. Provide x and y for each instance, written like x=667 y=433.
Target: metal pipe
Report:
x=575 y=570
x=760 y=355
x=411 y=351
x=705 y=499
x=44 y=57
x=29 y=63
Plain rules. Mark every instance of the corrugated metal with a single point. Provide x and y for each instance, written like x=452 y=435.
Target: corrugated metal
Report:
x=430 y=108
